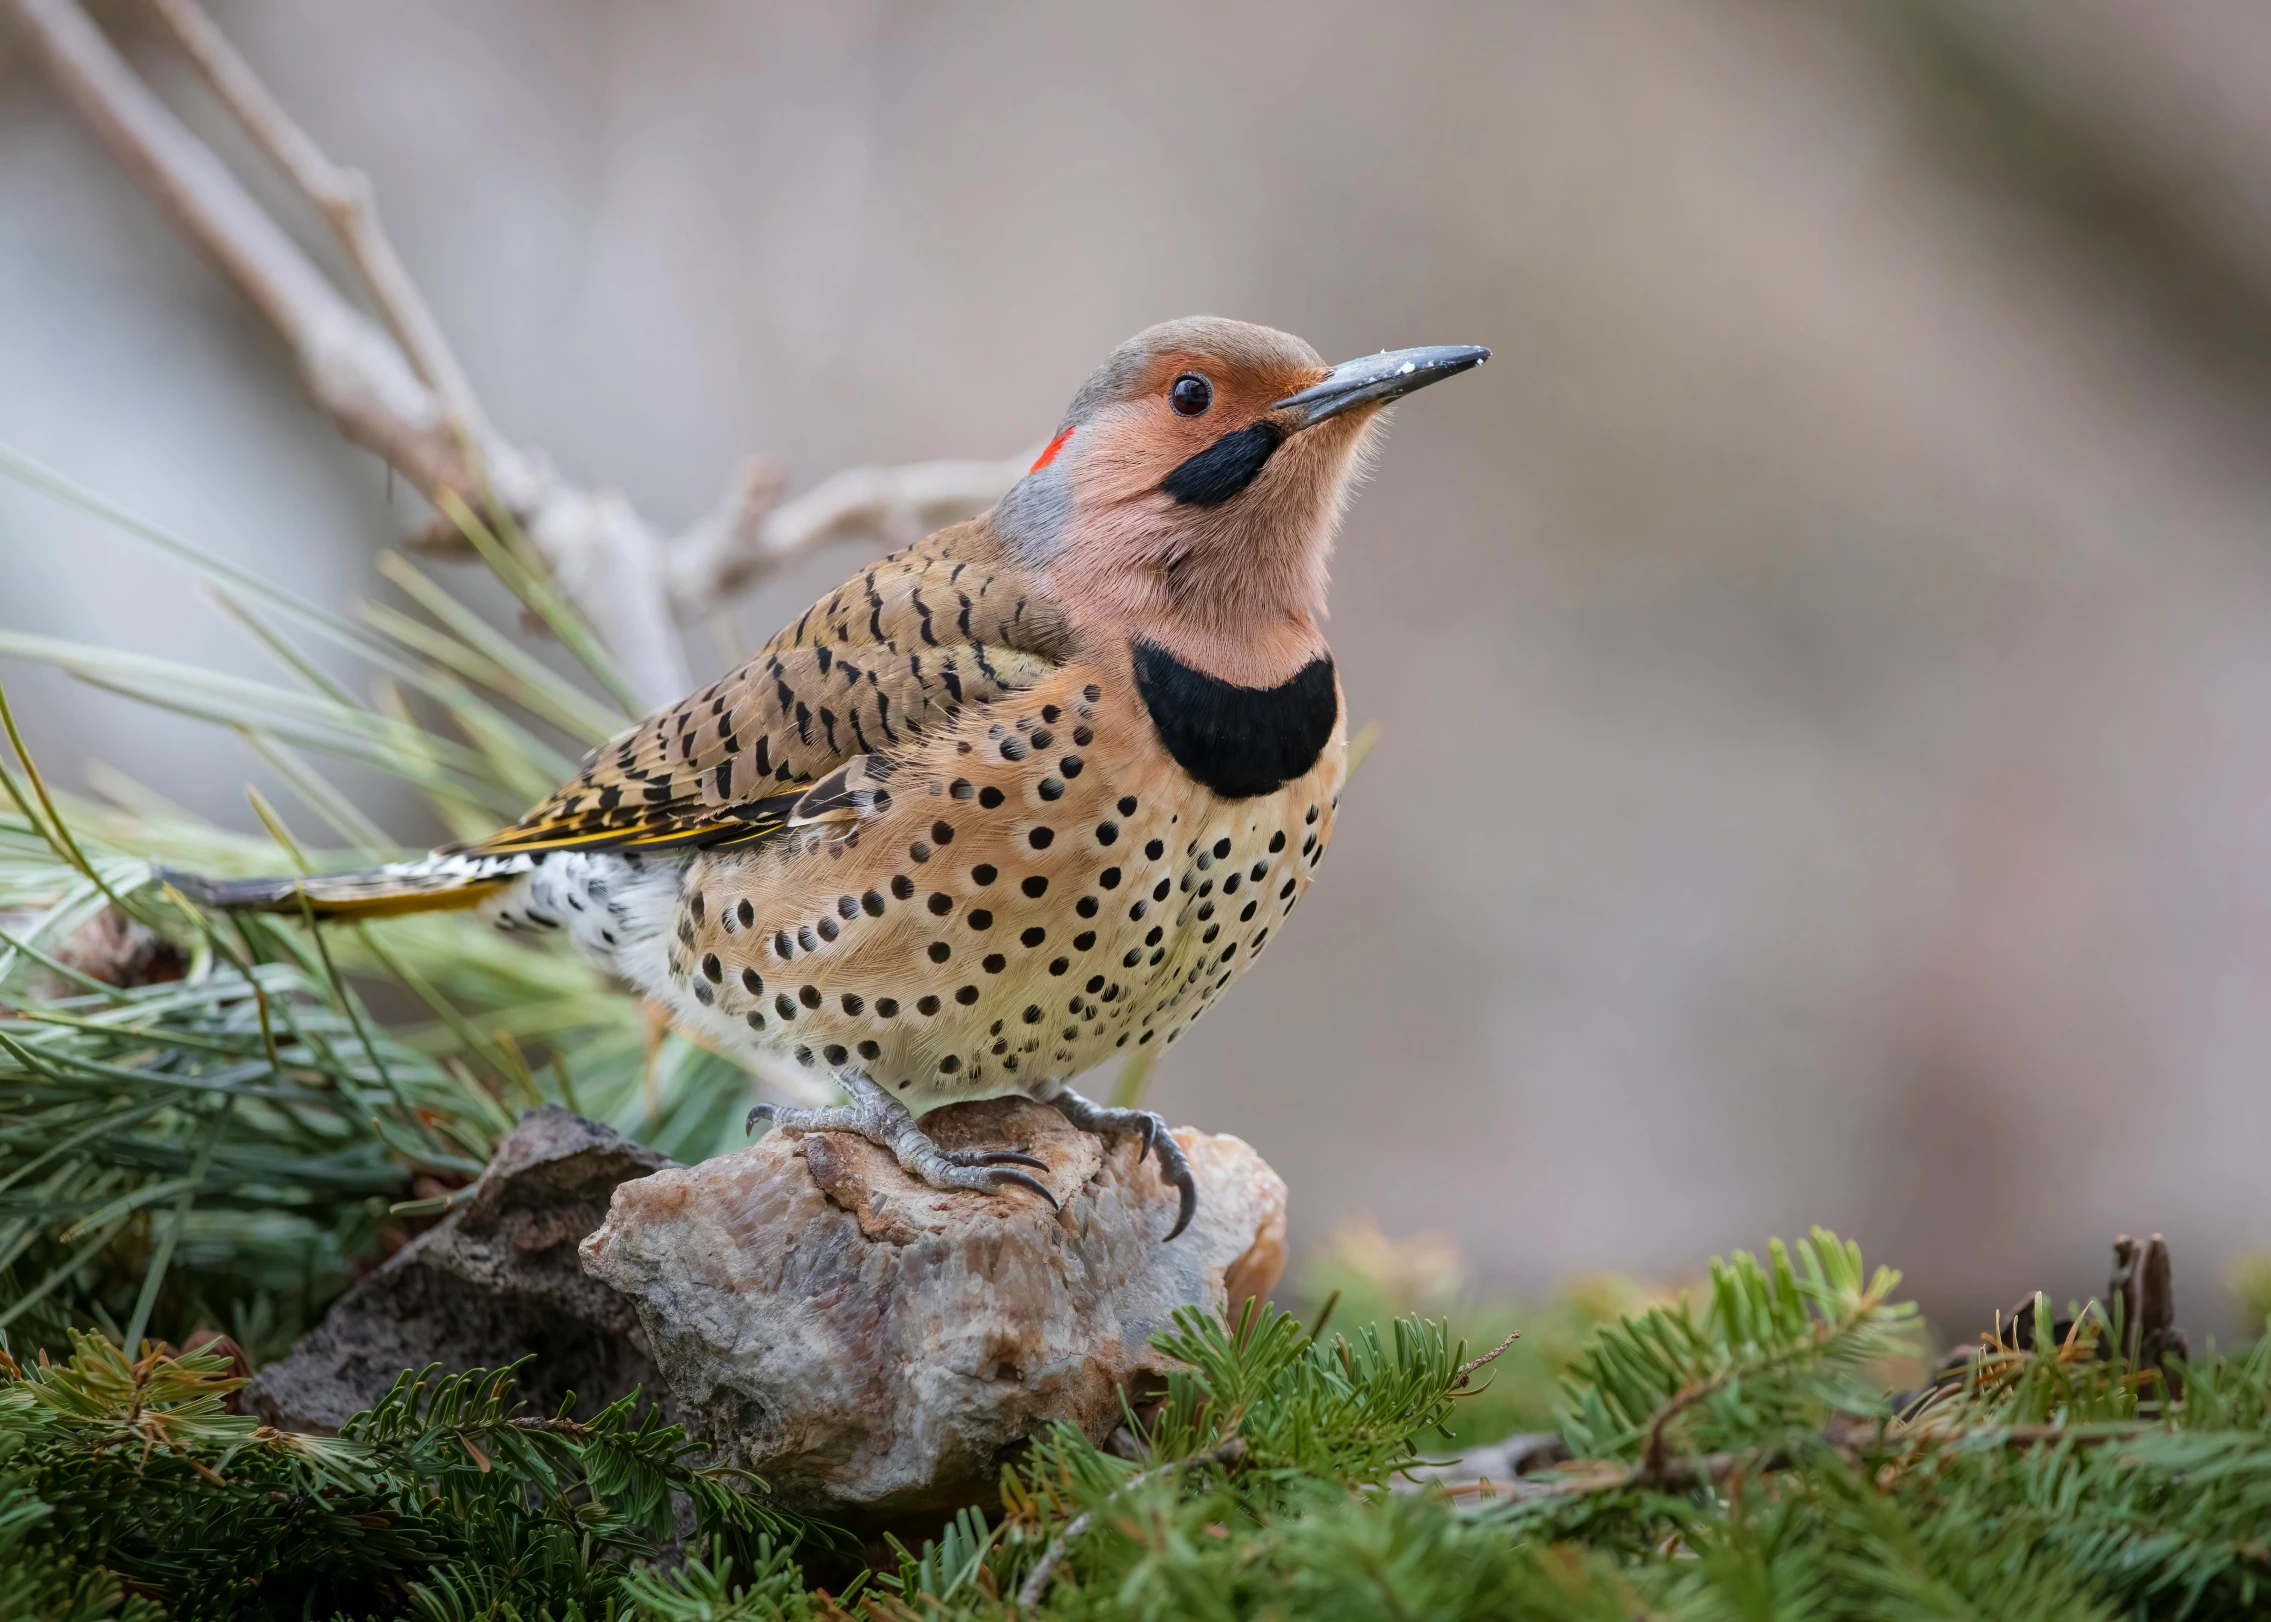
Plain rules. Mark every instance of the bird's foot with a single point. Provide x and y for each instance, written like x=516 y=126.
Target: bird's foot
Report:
x=875 y=1115
x=1174 y=1165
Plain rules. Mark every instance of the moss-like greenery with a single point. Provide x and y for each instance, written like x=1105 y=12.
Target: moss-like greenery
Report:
x=1731 y=1456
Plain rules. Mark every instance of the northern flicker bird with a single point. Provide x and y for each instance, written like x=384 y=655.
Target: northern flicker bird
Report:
x=1030 y=793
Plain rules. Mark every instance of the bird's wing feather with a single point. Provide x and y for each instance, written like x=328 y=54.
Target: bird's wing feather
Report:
x=854 y=683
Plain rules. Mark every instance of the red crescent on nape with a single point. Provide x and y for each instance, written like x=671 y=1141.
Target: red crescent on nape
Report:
x=1055 y=445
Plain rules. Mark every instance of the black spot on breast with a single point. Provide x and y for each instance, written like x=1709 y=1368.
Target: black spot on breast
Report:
x=1238 y=741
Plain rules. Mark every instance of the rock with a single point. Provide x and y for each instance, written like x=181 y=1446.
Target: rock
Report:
x=491 y=1283
x=873 y=1347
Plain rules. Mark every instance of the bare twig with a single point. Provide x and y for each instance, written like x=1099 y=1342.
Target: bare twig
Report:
x=355 y=373
x=1710 y=1469
x=343 y=196
x=1652 y=1443
x=399 y=392
x=1036 y=1584
x=1474 y=1365
x=752 y=533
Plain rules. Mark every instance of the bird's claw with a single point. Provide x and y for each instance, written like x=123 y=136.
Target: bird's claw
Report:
x=1152 y=1137
x=994 y=1157
x=1178 y=1172
x=875 y=1115
x=1003 y=1177
x=1010 y=1157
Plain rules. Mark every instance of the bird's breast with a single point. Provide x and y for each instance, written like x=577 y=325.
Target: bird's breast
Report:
x=1046 y=889
x=1238 y=741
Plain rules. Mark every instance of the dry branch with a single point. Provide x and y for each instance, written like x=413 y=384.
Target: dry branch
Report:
x=1035 y=1588
x=1856 y=1444
x=399 y=392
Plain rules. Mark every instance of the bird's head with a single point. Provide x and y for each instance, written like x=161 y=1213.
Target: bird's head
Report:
x=1192 y=491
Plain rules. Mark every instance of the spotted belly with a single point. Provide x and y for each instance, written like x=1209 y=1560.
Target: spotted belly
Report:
x=1042 y=893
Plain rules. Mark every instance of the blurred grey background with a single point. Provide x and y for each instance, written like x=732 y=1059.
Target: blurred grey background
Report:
x=1824 y=662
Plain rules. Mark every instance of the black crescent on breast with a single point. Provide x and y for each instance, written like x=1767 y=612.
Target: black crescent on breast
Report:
x=1238 y=741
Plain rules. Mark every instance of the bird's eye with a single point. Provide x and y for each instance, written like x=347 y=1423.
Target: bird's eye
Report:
x=1191 y=395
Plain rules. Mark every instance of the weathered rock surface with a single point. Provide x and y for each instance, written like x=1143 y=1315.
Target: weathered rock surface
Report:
x=493 y=1282
x=871 y=1345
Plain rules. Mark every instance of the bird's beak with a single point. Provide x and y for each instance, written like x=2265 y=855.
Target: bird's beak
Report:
x=1377 y=379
